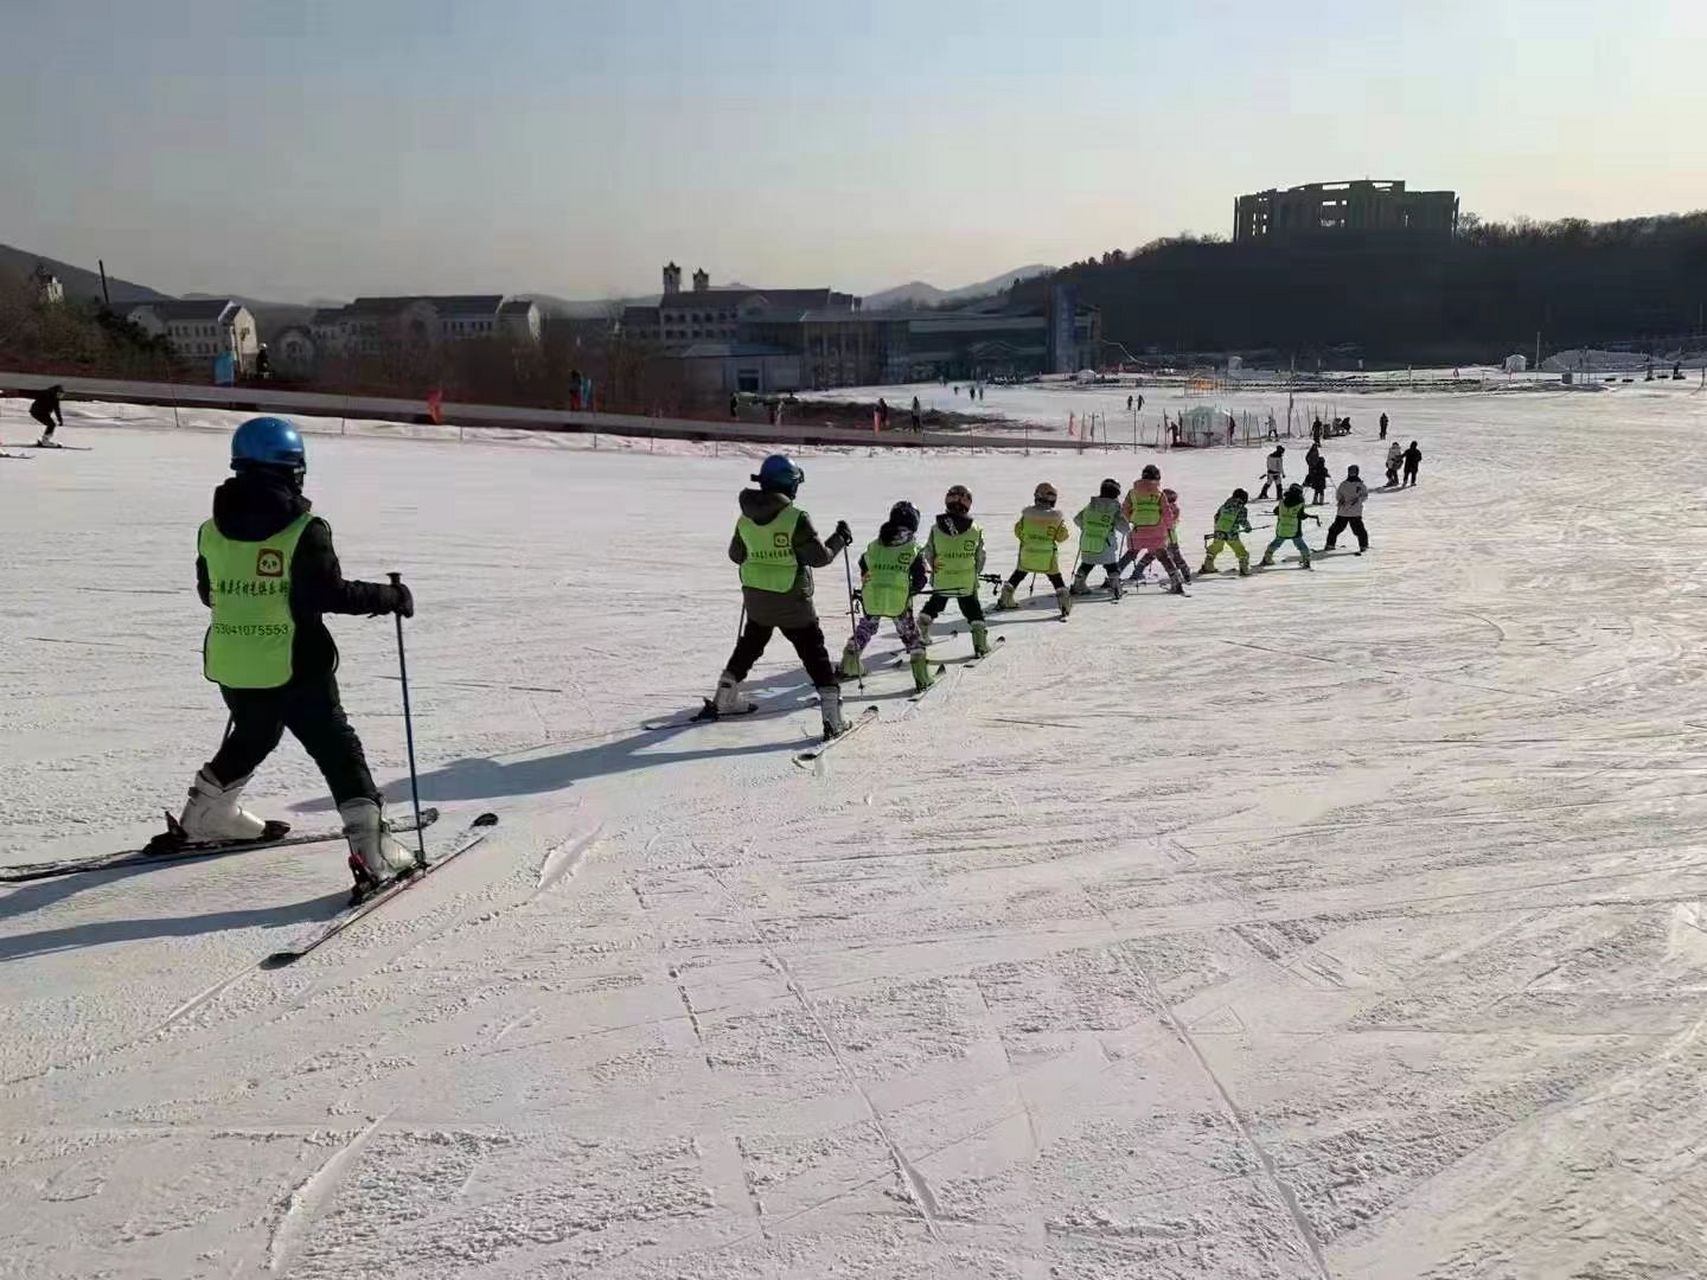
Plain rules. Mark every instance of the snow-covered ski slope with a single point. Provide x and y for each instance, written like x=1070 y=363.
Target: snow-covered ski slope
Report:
x=1334 y=924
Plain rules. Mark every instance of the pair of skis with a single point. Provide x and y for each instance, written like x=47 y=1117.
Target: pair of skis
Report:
x=316 y=935
x=172 y=846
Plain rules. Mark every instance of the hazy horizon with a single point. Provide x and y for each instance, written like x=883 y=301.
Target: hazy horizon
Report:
x=561 y=148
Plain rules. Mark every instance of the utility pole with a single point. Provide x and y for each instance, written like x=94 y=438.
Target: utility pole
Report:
x=106 y=298
x=1538 y=351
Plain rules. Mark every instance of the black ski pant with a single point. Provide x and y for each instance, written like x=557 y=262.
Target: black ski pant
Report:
x=45 y=417
x=1410 y=475
x=808 y=642
x=310 y=709
x=1393 y=477
x=971 y=608
x=1339 y=526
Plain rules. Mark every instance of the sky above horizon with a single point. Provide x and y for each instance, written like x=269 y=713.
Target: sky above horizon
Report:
x=328 y=148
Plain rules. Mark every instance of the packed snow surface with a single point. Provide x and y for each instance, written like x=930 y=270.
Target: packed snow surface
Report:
x=1345 y=923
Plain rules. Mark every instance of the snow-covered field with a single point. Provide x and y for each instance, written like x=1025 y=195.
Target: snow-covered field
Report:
x=1337 y=924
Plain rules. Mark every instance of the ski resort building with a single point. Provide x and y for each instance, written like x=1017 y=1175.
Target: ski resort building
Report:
x=369 y=325
x=201 y=329
x=764 y=340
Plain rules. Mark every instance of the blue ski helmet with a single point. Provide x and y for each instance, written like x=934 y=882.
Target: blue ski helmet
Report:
x=267 y=442
x=778 y=474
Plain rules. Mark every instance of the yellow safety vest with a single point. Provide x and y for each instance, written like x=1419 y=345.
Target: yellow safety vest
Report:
x=1038 y=536
x=1096 y=523
x=770 y=564
x=1144 y=509
x=250 y=640
x=956 y=558
x=1286 y=520
x=1227 y=519
x=888 y=575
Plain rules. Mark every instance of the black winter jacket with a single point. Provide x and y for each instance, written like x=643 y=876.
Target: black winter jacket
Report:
x=253 y=506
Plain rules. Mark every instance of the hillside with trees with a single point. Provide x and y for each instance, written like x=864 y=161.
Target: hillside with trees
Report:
x=1485 y=294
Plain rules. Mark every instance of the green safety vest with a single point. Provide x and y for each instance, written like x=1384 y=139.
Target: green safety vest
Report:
x=1095 y=525
x=956 y=557
x=1037 y=542
x=888 y=577
x=250 y=641
x=770 y=564
x=1146 y=508
x=1227 y=519
x=1286 y=520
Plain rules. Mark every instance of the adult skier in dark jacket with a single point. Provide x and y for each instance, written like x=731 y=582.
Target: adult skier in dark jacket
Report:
x=266 y=568
x=45 y=410
x=777 y=548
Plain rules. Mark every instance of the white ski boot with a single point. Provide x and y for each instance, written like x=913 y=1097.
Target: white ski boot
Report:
x=727 y=700
x=214 y=814
x=375 y=858
x=830 y=703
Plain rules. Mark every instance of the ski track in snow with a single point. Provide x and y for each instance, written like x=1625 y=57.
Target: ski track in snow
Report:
x=1341 y=924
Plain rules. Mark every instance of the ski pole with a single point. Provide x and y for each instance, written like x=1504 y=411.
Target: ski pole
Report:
x=853 y=621
x=409 y=735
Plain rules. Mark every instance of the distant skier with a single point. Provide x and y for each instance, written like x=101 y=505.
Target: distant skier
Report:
x=1316 y=431
x=1317 y=478
x=1383 y=426
x=918 y=421
x=954 y=553
x=266 y=568
x=1348 y=510
x=45 y=410
x=1231 y=519
x=1041 y=530
x=1413 y=460
x=883 y=412
x=1152 y=518
x=263 y=364
x=1395 y=456
x=891 y=573
x=1169 y=552
x=777 y=548
x=1102 y=532
x=1289 y=520
x=1275 y=465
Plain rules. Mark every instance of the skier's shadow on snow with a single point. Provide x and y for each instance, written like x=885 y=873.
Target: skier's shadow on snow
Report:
x=482 y=778
x=44 y=893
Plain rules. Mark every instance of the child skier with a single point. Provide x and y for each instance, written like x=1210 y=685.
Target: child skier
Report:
x=1169 y=552
x=1317 y=477
x=891 y=573
x=1395 y=455
x=266 y=568
x=1152 y=518
x=1102 y=529
x=1041 y=530
x=1231 y=519
x=777 y=548
x=1275 y=471
x=955 y=554
x=1289 y=520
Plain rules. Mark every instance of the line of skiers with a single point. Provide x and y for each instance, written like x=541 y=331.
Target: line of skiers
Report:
x=776 y=547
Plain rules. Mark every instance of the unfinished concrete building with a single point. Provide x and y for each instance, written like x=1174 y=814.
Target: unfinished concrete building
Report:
x=1361 y=209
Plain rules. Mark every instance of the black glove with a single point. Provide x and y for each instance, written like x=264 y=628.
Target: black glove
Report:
x=843 y=535
x=402 y=601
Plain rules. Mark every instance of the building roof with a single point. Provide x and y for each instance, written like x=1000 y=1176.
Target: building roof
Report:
x=192 y=309
x=824 y=297
x=518 y=307
x=728 y=350
x=462 y=304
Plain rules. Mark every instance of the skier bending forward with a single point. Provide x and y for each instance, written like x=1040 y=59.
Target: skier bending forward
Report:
x=266 y=567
